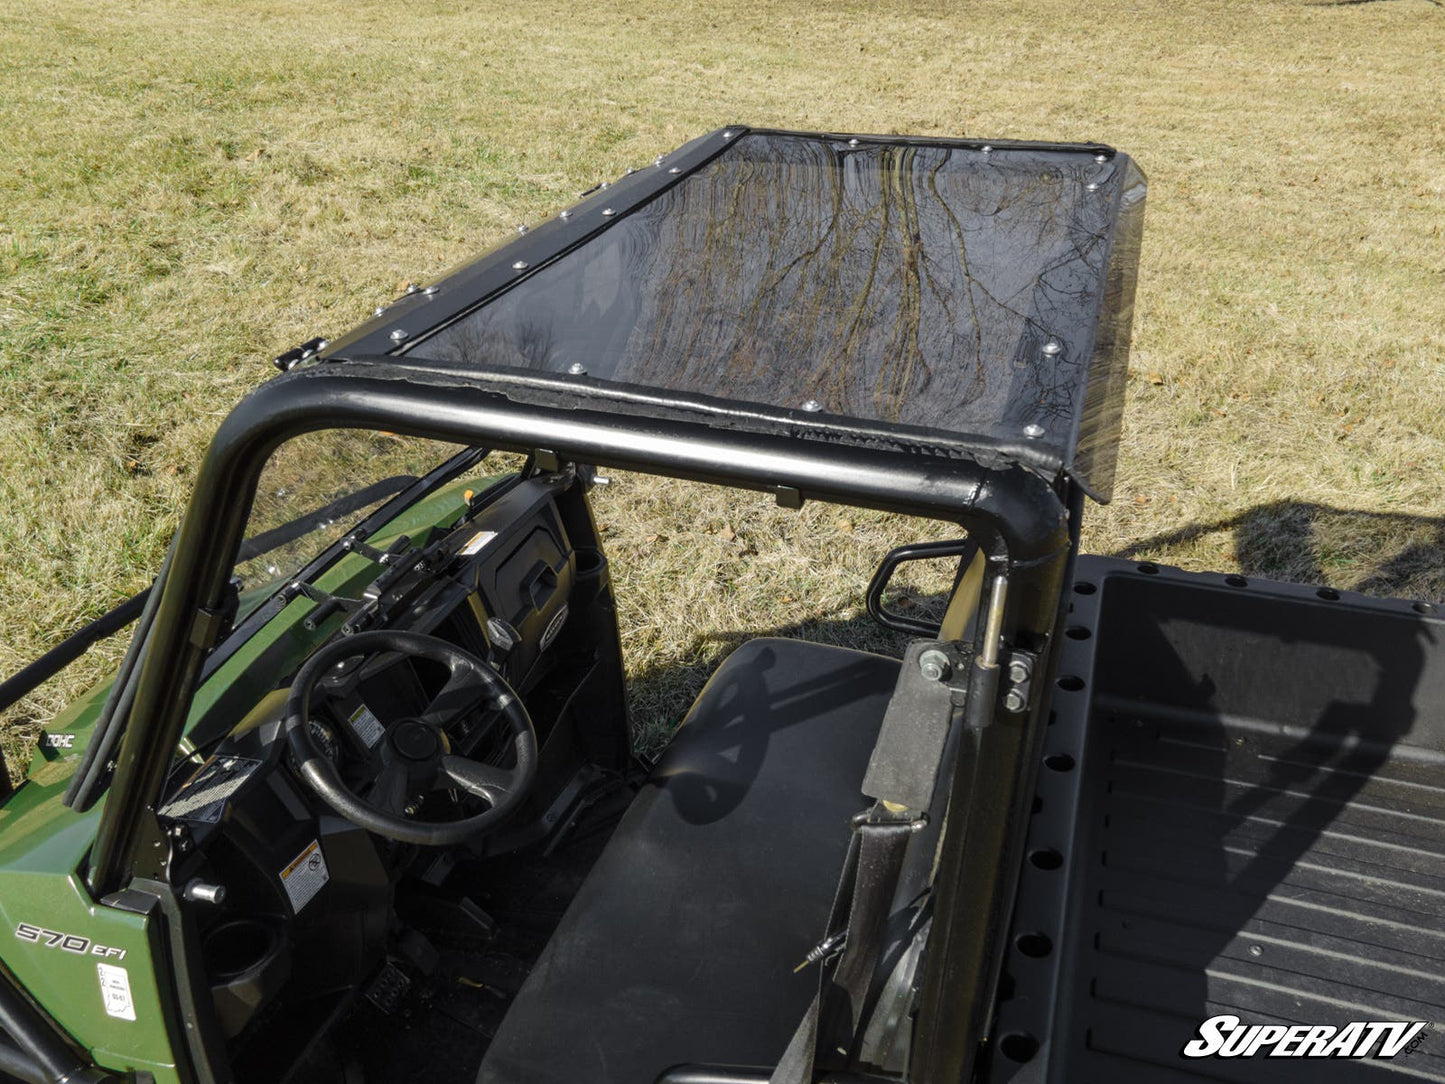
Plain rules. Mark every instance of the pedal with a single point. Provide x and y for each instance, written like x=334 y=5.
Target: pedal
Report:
x=389 y=988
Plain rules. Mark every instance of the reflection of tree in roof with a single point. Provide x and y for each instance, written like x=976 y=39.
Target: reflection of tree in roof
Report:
x=904 y=283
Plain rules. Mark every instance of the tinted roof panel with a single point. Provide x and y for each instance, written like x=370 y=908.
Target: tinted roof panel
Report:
x=948 y=288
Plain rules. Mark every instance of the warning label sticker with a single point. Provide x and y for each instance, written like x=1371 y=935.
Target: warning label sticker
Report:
x=476 y=543
x=305 y=876
x=367 y=726
x=115 y=991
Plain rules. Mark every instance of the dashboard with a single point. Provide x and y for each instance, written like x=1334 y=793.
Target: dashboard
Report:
x=291 y=908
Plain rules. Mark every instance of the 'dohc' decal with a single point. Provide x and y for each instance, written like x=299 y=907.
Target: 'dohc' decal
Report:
x=66 y=942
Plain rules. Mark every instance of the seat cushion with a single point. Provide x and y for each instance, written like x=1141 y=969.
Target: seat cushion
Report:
x=681 y=944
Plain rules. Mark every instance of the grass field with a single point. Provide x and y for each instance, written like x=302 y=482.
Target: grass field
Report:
x=189 y=188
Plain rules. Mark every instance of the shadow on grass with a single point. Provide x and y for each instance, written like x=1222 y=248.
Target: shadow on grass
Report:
x=1387 y=554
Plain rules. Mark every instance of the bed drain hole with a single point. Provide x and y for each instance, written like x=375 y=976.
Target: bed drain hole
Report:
x=1071 y=683
x=1236 y=581
x=1047 y=858
x=1077 y=632
x=1036 y=945
x=1329 y=594
x=1059 y=762
x=1019 y=1047
x=1084 y=587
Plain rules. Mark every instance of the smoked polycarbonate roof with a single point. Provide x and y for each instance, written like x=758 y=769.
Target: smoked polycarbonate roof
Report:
x=978 y=294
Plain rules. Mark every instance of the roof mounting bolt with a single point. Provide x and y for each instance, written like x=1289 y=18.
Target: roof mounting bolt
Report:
x=1052 y=349
x=605 y=184
x=429 y=290
x=322 y=344
x=934 y=665
x=1092 y=186
x=520 y=265
x=399 y=335
x=1101 y=158
x=1014 y=701
x=521 y=227
x=608 y=212
x=378 y=310
x=577 y=369
x=812 y=406
x=630 y=171
x=853 y=142
x=658 y=160
x=1019 y=671
x=674 y=169
x=727 y=133
x=1033 y=431
x=412 y=287
x=987 y=149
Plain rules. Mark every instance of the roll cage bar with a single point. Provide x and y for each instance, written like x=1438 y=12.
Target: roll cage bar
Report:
x=1021 y=518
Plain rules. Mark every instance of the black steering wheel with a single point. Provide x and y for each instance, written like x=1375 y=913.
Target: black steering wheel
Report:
x=414 y=751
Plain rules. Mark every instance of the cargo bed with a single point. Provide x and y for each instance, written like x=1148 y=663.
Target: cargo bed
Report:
x=1241 y=810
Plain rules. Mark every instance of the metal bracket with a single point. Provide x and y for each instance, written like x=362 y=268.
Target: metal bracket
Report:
x=1022 y=665
x=297 y=354
x=326 y=605
x=210 y=625
x=932 y=686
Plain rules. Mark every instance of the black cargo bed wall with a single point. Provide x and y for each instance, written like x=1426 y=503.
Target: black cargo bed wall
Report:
x=1241 y=810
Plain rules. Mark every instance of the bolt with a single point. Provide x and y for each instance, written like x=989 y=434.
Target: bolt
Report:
x=1019 y=671
x=378 y=310
x=853 y=142
x=565 y=214
x=933 y=664
x=728 y=134
x=199 y=892
x=520 y=265
x=674 y=169
x=429 y=291
x=322 y=344
x=1092 y=186
x=1014 y=701
x=399 y=335
x=630 y=171
x=1033 y=431
x=812 y=406
x=1101 y=158
x=412 y=287
x=987 y=149
x=608 y=212
x=577 y=369
x=521 y=227
x=1256 y=950
x=1052 y=348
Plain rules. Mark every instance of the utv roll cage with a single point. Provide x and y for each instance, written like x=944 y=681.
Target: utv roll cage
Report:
x=1011 y=464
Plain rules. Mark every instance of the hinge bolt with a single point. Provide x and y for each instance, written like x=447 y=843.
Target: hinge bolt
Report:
x=934 y=665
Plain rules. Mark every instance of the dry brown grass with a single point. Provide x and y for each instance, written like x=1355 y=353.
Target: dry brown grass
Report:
x=187 y=188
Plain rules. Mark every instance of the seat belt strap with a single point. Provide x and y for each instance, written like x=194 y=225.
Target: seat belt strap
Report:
x=860 y=908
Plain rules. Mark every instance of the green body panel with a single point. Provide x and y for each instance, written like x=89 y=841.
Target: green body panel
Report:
x=43 y=844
